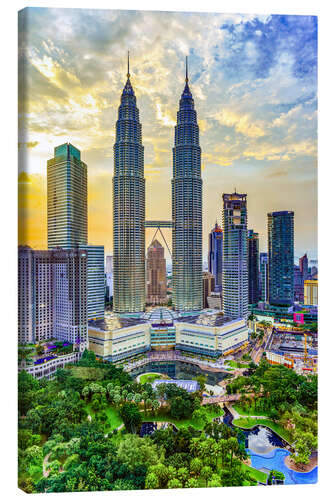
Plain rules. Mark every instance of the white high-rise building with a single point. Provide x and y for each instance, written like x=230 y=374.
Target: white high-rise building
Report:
x=52 y=300
x=235 y=267
x=95 y=281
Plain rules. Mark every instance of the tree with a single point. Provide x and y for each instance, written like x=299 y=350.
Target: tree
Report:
x=131 y=417
x=33 y=455
x=206 y=473
x=155 y=405
x=200 y=415
x=196 y=466
x=134 y=451
x=152 y=481
x=192 y=483
x=53 y=467
x=174 y=483
x=71 y=461
x=137 y=398
x=214 y=481
x=183 y=475
x=27 y=439
x=275 y=475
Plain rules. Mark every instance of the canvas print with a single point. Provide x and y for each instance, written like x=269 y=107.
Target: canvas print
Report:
x=167 y=253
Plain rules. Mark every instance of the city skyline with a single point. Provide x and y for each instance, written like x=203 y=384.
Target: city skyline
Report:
x=256 y=107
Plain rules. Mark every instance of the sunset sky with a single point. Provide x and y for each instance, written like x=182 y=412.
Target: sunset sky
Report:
x=254 y=82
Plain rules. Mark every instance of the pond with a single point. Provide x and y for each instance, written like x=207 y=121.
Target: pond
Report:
x=260 y=439
x=179 y=370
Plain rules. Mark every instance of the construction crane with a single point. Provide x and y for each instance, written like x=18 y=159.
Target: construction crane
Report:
x=305 y=349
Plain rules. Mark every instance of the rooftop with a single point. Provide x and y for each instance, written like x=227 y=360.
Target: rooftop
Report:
x=207 y=319
x=188 y=385
x=113 y=321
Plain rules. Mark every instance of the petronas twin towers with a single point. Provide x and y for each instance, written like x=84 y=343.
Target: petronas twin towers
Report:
x=129 y=208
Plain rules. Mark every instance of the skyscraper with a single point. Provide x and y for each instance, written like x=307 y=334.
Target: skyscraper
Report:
x=253 y=266
x=263 y=277
x=52 y=295
x=128 y=208
x=187 y=208
x=215 y=252
x=156 y=274
x=66 y=198
x=304 y=266
x=208 y=286
x=109 y=276
x=95 y=281
x=69 y=269
x=234 y=267
x=281 y=258
x=298 y=285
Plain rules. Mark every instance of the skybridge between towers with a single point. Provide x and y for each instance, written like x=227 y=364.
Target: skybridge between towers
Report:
x=158 y=224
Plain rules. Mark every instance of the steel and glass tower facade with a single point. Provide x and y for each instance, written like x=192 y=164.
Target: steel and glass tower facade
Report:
x=215 y=252
x=263 y=279
x=67 y=224
x=253 y=266
x=281 y=258
x=187 y=208
x=235 y=263
x=128 y=208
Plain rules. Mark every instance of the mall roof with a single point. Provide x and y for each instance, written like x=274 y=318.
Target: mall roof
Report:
x=207 y=319
x=114 y=322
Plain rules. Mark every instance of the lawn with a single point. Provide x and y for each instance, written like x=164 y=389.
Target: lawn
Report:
x=255 y=474
x=114 y=420
x=248 y=422
x=236 y=364
x=197 y=424
x=87 y=373
x=150 y=377
x=248 y=410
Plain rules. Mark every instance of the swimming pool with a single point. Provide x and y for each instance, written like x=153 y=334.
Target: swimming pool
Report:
x=274 y=459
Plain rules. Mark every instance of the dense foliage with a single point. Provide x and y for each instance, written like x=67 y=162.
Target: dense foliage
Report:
x=285 y=397
x=78 y=432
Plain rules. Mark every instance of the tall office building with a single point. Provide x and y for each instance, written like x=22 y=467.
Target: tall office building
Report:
x=35 y=297
x=253 y=266
x=128 y=208
x=263 y=276
x=234 y=267
x=215 y=252
x=66 y=198
x=156 y=274
x=311 y=292
x=281 y=258
x=69 y=276
x=187 y=208
x=208 y=286
x=95 y=281
x=304 y=266
x=298 y=285
x=52 y=300
x=109 y=264
x=109 y=277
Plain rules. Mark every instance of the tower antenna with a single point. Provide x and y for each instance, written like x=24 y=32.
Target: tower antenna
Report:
x=186 y=77
x=128 y=72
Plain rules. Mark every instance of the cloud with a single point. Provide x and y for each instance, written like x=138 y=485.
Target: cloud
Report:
x=253 y=78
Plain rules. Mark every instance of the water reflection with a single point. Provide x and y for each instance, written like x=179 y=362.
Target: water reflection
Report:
x=262 y=440
x=179 y=370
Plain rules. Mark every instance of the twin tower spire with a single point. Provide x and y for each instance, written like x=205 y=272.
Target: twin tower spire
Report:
x=129 y=207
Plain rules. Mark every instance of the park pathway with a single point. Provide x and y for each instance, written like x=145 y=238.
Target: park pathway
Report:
x=46 y=472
